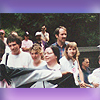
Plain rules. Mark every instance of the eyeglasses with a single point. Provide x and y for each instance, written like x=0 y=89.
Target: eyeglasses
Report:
x=1 y=33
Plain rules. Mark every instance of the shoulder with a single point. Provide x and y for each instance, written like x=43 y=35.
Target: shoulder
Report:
x=97 y=70
x=46 y=33
x=23 y=40
x=63 y=58
x=54 y=44
x=30 y=40
x=25 y=53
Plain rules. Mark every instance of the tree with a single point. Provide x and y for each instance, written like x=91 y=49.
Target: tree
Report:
x=82 y=28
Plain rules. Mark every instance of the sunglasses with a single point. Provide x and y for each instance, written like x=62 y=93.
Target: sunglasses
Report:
x=1 y=33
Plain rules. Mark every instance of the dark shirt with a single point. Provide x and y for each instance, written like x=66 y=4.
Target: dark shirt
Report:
x=44 y=44
x=86 y=73
x=61 y=49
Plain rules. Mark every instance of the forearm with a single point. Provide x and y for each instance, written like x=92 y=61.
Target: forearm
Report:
x=25 y=49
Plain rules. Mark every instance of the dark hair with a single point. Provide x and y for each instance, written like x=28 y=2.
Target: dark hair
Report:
x=84 y=59
x=14 y=38
x=56 y=52
x=57 y=29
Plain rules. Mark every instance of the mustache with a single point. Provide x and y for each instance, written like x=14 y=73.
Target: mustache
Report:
x=63 y=38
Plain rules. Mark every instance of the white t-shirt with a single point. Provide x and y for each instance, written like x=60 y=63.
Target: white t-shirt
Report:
x=22 y=60
x=44 y=35
x=95 y=76
x=70 y=66
x=45 y=84
x=41 y=65
x=26 y=44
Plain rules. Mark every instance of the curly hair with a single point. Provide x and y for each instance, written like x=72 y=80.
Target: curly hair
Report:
x=36 y=47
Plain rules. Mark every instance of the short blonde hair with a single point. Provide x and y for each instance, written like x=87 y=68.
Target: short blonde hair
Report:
x=72 y=44
x=36 y=47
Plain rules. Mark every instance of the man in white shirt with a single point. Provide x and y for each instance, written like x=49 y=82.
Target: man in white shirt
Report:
x=11 y=77
x=44 y=34
x=26 y=43
x=17 y=58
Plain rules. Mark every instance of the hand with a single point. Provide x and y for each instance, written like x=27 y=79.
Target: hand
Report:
x=82 y=84
x=63 y=73
x=95 y=85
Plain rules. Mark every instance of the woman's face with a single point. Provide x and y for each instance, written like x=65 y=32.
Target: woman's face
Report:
x=49 y=56
x=71 y=51
x=35 y=55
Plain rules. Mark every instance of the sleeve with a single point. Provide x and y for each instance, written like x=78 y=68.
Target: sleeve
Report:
x=37 y=75
x=94 y=77
x=23 y=46
x=31 y=43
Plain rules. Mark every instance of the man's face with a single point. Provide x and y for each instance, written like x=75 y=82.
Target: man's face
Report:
x=86 y=63
x=26 y=37
x=15 y=48
x=62 y=35
x=38 y=37
x=1 y=35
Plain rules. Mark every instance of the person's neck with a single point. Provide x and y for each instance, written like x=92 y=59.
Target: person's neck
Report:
x=43 y=32
x=17 y=53
x=26 y=39
x=37 y=63
x=84 y=67
x=39 y=41
x=61 y=44
x=51 y=64
x=70 y=58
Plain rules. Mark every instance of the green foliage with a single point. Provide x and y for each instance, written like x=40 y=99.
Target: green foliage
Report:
x=82 y=28
x=9 y=30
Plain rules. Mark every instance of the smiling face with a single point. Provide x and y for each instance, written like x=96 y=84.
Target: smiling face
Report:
x=49 y=56
x=61 y=37
x=71 y=52
x=15 y=48
x=35 y=55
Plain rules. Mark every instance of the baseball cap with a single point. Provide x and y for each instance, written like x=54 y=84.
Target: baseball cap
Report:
x=26 y=34
x=37 y=33
x=98 y=46
x=2 y=31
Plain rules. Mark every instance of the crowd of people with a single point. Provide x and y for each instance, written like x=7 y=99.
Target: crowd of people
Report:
x=28 y=64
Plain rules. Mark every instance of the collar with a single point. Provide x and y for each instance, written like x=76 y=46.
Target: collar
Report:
x=62 y=46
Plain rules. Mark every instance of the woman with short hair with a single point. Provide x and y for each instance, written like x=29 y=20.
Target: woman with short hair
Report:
x=37 y=56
